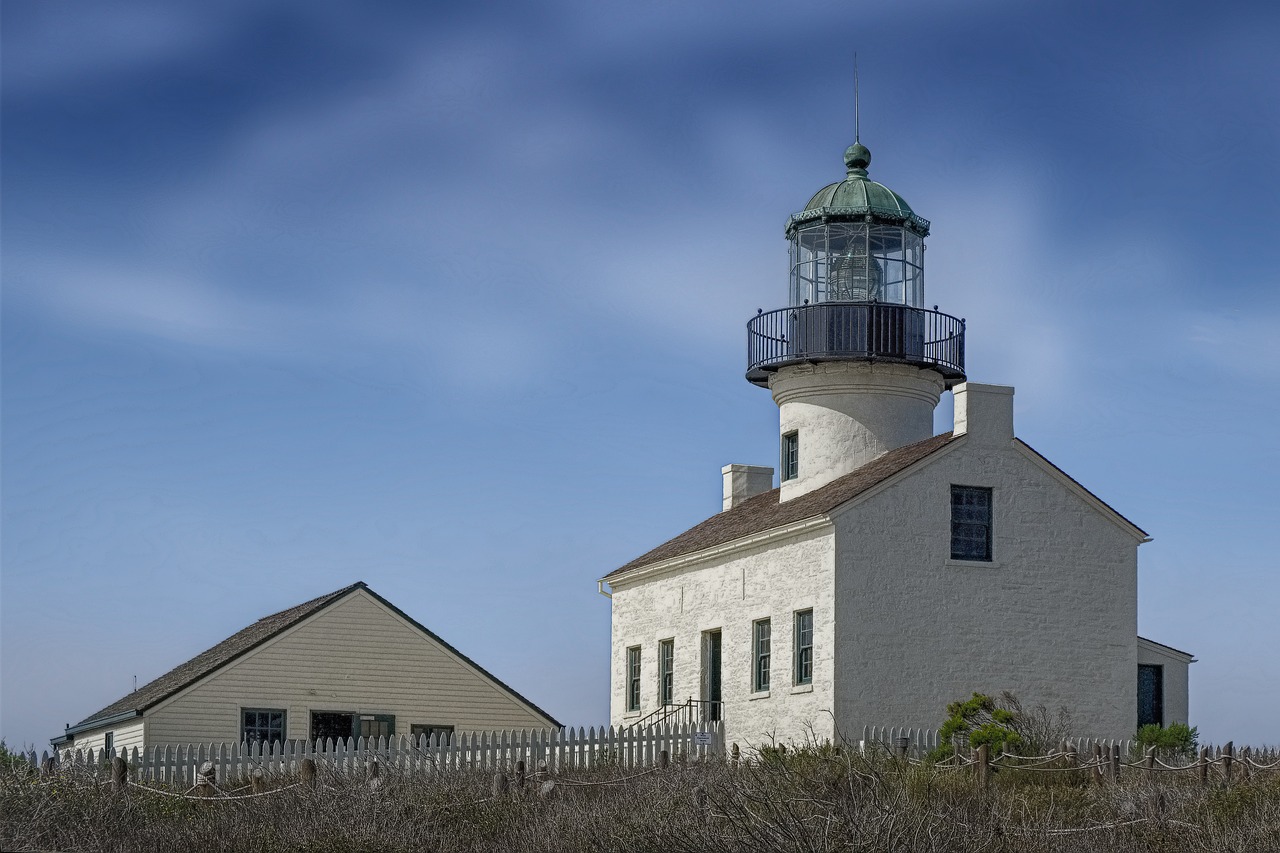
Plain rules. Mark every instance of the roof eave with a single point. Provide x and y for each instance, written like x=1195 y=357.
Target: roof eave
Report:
x=90 y=724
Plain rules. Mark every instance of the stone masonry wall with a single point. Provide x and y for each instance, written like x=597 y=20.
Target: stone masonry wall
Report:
x=729 y=593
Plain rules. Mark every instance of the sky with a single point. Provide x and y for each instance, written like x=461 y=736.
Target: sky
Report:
x=450 y=298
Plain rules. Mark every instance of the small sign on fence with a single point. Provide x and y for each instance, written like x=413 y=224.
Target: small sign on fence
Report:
x=702 y=739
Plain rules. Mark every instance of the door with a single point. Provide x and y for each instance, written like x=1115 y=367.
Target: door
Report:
x=1150 y=695
x=711 y=675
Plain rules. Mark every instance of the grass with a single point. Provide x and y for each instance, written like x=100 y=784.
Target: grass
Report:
x=811 y=800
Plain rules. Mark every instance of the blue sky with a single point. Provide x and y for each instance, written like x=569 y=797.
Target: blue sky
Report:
x=450 y=299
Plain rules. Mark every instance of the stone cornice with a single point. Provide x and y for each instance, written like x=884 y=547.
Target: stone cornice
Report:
x=675 y=564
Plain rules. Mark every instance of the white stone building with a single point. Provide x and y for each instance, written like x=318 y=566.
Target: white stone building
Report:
x=346 y=664
x=893 y=570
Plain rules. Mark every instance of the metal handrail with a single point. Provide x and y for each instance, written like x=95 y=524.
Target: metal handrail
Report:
x=669 y=709
x=844 y=331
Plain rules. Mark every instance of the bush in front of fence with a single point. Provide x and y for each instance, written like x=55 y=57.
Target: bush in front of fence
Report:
x=824 y=798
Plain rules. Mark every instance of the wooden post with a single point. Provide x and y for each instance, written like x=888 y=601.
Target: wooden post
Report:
x=372 y=774
x=205 y=780
x=1115 y=762
x=1096 y=767
x=664 y=758
x=1073 y=760
x=1151 y=762
x=119 y=774
x=1246 y=756
x=1228 y=754
x=735 y=756
x=499 y=785
x=1204 y=765
x=520 y=774
x=257 y=781
x=701 y=804
x=982 y=768
x=308 y=772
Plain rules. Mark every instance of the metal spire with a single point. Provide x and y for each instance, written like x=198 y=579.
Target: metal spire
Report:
x=857 y=120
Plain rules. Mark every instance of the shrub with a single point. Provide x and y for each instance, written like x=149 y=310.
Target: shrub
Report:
x=1177 y=739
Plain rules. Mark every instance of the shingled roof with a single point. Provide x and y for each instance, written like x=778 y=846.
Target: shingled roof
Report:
x=765 y=512
x=242 y=642
x=206 y=662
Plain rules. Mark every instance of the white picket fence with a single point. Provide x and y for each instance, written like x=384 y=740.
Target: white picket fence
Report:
x=921 y=741
x=559 y=749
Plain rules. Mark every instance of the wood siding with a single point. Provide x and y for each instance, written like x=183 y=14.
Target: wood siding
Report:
x=126 y=735
x=354 y=656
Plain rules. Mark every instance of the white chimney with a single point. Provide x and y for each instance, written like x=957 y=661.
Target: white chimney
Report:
x=984 y=412
x=745 y=481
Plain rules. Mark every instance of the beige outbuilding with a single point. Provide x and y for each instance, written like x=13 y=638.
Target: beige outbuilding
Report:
x=345 y=664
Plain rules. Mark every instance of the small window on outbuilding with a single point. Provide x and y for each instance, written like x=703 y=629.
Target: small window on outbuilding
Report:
x=377 y=725
x=971 y=523
x=261 y=725
x=429 y=731
x=108 y=742
x=790 y=462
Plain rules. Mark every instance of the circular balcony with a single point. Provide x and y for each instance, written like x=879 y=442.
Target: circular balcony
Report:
x=855 y=331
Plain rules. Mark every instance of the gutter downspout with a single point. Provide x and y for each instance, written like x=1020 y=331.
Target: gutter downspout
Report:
x=600 y=589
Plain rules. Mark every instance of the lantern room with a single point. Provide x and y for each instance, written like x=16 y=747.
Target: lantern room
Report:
x=856 y=285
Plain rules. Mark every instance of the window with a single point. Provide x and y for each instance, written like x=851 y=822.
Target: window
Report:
x=804 y=647
x=430 y=730
x=970 y=523
x=109 y=742
x=633 y=678
x=760 y=646
x=377 y=725
x=790 y=456
x=666 y=671
x=261 y=725
x=1150 y=695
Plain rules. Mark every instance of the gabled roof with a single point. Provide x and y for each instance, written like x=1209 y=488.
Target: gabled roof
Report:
x=244 y=641
x=765 y=512
x=1190 y=657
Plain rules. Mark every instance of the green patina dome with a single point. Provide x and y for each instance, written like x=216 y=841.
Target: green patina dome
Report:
x=857 y=197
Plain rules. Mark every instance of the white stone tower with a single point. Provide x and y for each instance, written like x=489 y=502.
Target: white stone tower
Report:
x=856 y=362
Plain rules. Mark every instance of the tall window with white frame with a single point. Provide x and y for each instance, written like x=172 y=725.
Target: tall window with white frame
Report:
x=971 y=512
x=666 y=671
x=761 y=636
x=790 y=462
x=633 y=678
x=804 y=647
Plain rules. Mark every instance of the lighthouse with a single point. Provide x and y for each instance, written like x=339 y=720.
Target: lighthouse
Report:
x=856 y=361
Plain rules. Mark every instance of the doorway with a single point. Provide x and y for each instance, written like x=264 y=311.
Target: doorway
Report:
x=711 y=675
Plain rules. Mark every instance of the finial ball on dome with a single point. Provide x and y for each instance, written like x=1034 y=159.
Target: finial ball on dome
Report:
x=857 y=156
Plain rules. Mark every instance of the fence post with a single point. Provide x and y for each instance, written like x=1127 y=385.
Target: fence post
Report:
x=664 y=758
x=1115 y=762
x=1246 y=757
x=308 y=772
x=499 y=785
x=205 y=779
x=1073 y=759
x=1151 y=762
x=1204 y=765
x=1096 y=767
x=119 y=774
x=372 y=773
x=1228 y=753
x=257 y=782
x=982 y=770
x=520 y=774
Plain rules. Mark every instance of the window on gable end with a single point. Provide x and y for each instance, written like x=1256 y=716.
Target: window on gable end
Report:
x=971 y=515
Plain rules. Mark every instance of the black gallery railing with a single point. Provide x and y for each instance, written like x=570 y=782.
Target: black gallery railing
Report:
x=834 y=331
